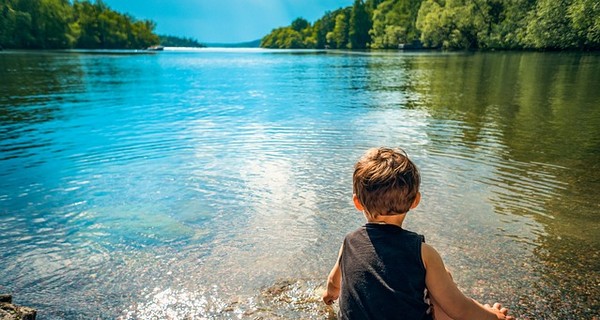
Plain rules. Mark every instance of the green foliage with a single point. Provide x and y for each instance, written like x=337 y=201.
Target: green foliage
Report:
x=285 y=37
x=324 y=26
x=585 y=16
x=360 y=24
x=338 y=37
x=449 y=24
x=54 y=24
x=300 y=24
x=508 y=23
x=549 y=26
x=173 y=41
x=564 y=24
x=372 y=5
x=394 y=22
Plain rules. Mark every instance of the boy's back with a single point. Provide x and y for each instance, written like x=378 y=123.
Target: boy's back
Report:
x=382 y=270
x=382 y=264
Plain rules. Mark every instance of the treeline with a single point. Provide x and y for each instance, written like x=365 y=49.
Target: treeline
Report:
x=63 y=24
x=173 y=41
x=449 y=24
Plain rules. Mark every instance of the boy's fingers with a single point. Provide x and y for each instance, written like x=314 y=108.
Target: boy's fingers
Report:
x=497 y=306
x=504 y=311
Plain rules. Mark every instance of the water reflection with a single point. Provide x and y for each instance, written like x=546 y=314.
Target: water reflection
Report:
x=534 y=118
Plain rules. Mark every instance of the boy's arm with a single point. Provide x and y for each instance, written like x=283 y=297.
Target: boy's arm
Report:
x=447 y=295
x=334 y=281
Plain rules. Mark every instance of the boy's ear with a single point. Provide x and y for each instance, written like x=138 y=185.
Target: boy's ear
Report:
x=357 y=203
x=416 y=201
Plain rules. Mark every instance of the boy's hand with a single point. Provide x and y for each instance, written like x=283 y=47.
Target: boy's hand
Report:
x=331 y=294
x=501 y=313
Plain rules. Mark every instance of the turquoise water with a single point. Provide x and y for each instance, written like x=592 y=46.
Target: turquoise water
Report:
x=190 y=183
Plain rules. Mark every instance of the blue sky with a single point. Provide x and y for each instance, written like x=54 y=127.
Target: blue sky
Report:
x=224 y=20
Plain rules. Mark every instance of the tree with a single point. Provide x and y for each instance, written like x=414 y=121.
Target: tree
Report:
x=338 y=38
x=300 y=24
x=360 y=24
x=394 y=22
x=453 y=24
x=450 y=24
x=284 y=38
x=8 y=23
x=323 y=26
x=100 y=27
x=509 y=20
x=550 y=27
x=42 y=24
x=585 y=17
x=174 y=41
x=371 y=5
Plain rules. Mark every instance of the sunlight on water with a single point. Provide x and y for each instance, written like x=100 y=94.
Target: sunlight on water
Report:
x=216 y=183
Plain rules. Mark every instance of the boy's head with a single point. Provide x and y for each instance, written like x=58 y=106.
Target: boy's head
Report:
x=386 y=182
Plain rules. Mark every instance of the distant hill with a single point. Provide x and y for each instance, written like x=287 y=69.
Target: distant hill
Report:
x=249 y=44
x=173 y=41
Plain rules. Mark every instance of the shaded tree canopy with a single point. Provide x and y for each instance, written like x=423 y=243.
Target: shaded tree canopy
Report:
x=174 y=41
x=449 y=24
x=63 y=24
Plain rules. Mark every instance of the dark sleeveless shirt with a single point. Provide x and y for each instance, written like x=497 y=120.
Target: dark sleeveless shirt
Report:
x=383 y=276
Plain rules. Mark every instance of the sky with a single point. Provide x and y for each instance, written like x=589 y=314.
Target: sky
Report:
x=224 y=21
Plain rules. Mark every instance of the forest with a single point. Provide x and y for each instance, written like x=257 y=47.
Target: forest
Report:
x=448 y=24
x=174 y=41
x=65 y=24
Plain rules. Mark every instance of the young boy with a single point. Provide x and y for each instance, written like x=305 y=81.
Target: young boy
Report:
x=384 y=271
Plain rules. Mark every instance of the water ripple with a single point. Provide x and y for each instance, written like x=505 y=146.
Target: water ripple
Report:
x=186 y=183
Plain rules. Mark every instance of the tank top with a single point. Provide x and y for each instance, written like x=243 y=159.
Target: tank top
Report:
x=383 y=276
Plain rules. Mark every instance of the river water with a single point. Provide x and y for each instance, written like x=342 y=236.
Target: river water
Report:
x=217 y=183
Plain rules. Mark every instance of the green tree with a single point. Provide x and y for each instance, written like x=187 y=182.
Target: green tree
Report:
x=360 y=24
x=51 y=24
x=450 y=24
x=394 y=22
x=338 y=37
x=45 y=24
x=300 y=34
x=508 y=22
x=174 y=41
x=100 y=27
x=8 y=23
x=300 y=24
x=372 y=5
x=550 y=26
x=585 y=17
x=323 y=26
x=453 y=24
x=283 y=38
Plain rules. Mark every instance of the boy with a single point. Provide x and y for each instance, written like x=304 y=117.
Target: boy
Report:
x=384 y=271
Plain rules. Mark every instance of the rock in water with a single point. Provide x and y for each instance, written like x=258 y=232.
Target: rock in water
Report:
x=9 y=311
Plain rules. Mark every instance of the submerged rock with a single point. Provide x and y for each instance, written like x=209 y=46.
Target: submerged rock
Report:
x=9 y=311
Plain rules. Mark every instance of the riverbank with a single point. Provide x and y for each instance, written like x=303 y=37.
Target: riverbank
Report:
x=10 y=311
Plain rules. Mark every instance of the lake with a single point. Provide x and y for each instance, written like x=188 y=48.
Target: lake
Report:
x=217 y=183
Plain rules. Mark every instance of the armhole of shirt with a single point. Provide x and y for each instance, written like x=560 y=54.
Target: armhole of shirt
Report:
x=420 y=250
x=343 y=249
